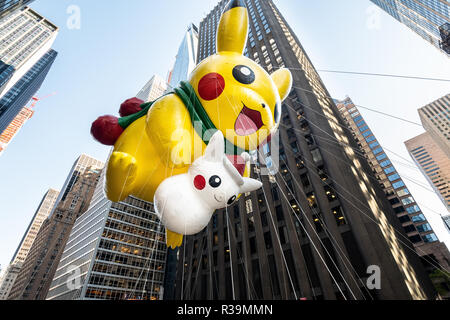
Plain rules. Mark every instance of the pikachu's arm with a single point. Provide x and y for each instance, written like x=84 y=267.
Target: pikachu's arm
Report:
x=169 y=127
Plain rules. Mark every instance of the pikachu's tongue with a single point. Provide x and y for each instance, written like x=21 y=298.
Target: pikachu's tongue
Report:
x=238 y=162
x=245 y=126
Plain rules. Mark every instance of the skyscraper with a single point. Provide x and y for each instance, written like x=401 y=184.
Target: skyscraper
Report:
x=318 y=224
x=435 y=119
x=83 y=164
x=186 y=59
x=153 y=89
x=25 y=37
x=433 y=163
x=42 y=212
x=20 y=94
x=431 y=150
x=435 y=254
x=8 y=6
x=10 y=132
x=430 y=19
x=116 y=251
x=37 y=272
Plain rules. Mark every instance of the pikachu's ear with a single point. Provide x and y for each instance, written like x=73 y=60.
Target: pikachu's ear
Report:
x=283 y=81
x=233 y=27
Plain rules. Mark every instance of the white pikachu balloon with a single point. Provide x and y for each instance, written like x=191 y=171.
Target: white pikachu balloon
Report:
x=185 y=203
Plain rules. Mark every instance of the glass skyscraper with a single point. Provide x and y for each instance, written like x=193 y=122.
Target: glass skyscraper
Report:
x=8 y=6
x=25 y=37
x=22 y=92
x=186 y=59
x=428 y=18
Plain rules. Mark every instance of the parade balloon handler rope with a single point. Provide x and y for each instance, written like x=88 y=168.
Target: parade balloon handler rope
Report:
x=330 y=235
x=278 y=238
x=284 y=260
x=341 y=251
x=434 y=263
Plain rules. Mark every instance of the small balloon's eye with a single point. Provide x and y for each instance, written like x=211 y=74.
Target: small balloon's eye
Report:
x=244 y=74
x=215 y=181
x=232 y=199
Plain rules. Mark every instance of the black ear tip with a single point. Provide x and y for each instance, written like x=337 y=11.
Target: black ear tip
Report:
x=235 y=3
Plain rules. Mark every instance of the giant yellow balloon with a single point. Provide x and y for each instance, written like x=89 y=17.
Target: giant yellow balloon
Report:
x=226 y=91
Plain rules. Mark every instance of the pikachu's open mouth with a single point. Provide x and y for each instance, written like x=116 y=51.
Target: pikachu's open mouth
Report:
x=248 y=122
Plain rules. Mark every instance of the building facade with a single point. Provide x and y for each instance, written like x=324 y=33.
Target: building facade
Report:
x=8 y=6
x=116 y=251
x=153 y=89
x=8 y=279
x=14 y=127
x=37 y=272
x=25 y=37
x=433 y=163
x=435 y=119
x=21 y=93
x=186 y=59
x=318 y=223
x=83 y=164
x=44 y=209
x=420 y=233
x=430 y=19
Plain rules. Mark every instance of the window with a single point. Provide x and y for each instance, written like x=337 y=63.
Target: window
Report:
x=381 y=157
x=430 y=238
x=398 y=184
x=408 y=200
x=373 y=145
x=360 y=124
x=418 y=218
x=389 y=170
x=370 y=139
x=403 y=192
x=368 y=133
x=339 y=216
x=317 y=157
x=424 y=227
x=413 y=209
x=394 y=177
x=410 y=228
x=385 y=163
x=377 y=151
x=363 y=128
x=404 y=219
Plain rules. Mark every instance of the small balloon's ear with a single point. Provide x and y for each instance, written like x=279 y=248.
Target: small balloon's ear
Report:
x=215 y=150
x=233 y=27
x=283 y=81
x=250 y=185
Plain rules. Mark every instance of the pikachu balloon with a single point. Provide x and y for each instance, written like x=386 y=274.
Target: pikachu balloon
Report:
x=226 y=91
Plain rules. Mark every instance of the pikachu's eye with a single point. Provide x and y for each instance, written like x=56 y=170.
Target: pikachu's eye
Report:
x=244 y=74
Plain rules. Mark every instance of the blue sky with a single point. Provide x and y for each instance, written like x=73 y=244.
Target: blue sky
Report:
x=121 y=44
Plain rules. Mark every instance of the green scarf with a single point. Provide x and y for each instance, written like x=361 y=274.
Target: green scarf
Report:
x=196 y=111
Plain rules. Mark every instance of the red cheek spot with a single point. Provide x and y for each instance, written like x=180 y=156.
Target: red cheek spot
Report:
x=211 y=86
x=199 y=182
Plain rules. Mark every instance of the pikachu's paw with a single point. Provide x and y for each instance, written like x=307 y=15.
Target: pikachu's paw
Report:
x=173 y=240
x=120 y=176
